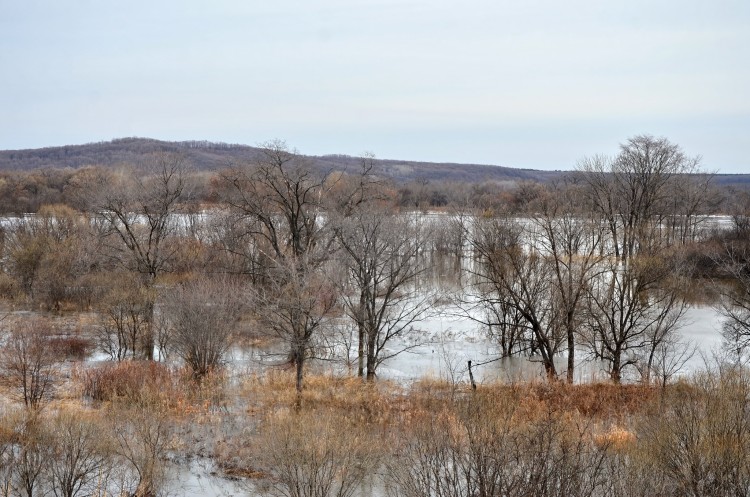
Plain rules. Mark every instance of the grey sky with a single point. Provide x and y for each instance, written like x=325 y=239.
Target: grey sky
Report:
x=535 y=84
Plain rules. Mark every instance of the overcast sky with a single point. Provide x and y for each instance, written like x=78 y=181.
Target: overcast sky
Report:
x=533 y=84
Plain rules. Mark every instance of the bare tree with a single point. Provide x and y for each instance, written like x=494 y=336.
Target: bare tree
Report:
x=485 y=446
x=571 y=240
x=293 y=307
x=699 y=440
x=124 y=314
x=29 y=364
x=282 y=201
x=137 y=217
x=33 y=454
x=632 y=192
x=511 y=271
x=314 y=454
x=688 y=207
x=46 y=256
x=381 y=254
x=734 y=303
x=81 y=459
x=279 y=202
x=665 y=354
x=7 y=451
x=142 y=435
x=203 y=315
x=25 y=249
x=632 y=305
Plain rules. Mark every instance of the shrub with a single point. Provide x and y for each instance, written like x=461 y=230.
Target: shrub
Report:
x=71 y=347
x=129 y=381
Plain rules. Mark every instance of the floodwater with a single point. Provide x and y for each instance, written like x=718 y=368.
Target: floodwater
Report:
x=441 y=347
x=448 y=343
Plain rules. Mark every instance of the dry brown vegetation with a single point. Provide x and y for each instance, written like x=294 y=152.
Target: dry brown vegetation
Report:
x=430 y=438
x=523 y=439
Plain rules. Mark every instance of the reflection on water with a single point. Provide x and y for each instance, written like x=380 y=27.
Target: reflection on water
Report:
x=447 y=344
x=441 y=348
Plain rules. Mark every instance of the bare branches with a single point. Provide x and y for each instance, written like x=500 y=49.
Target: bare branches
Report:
x=203 y=315
x=381 y=257
x=28 y=364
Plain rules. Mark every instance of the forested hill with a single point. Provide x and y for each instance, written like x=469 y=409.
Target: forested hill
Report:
x=212 y=156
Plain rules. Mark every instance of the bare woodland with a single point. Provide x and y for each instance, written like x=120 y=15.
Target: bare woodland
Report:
x=163 y=273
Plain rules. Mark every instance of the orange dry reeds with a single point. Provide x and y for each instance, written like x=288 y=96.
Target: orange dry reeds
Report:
x=127 y=379
x=371 y=402
x=73 y=347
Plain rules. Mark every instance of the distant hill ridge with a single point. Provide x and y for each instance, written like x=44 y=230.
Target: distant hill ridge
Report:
x=206 y=155
x=211 y=156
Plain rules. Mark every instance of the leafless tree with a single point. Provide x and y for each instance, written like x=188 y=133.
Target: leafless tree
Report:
x=314 y=454
x=279 y=202
x=699 y=440
x=688 y=207
x=293 y=307
x=632 y=192
x=7 y=451
x=739 y=210
x=203 y=315
x=124 y=314
x=143 y=435
x=33 y=454
x=28 y=364
x=45 y=253
x=571 y=240
x=136 y=214
x=734 y=303
x=482 y=447
x=664 y=354
x=81 y=458
x=510 y=271
x=631 y=306
x=381 y=255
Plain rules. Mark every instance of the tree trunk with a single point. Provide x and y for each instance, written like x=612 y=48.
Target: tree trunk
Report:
x=616 y=373
x=147 y=341
x=571 y=354
x=361 y=349
x=300 y=362
x=371 y=355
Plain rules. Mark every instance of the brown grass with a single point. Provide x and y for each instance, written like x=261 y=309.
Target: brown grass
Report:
x=72 y=347
x=370 y=402
x=127 y=380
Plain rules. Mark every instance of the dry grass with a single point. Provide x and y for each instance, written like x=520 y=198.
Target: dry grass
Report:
x=369 y=402
x=72 y=347
x=126 y=380
x=383 y=402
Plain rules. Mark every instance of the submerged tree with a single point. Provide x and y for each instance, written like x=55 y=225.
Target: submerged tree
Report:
x=29 y=364
x=511 y=274
x=381 y=257
x=571 y=240
x=203 y=315
x=278 y=201
x=136 y=214
x=293 y=307
x=631 y=307
x=734 y=302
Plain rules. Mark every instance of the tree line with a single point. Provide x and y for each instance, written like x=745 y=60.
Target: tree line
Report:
x=601 y=261
x=171 y=265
